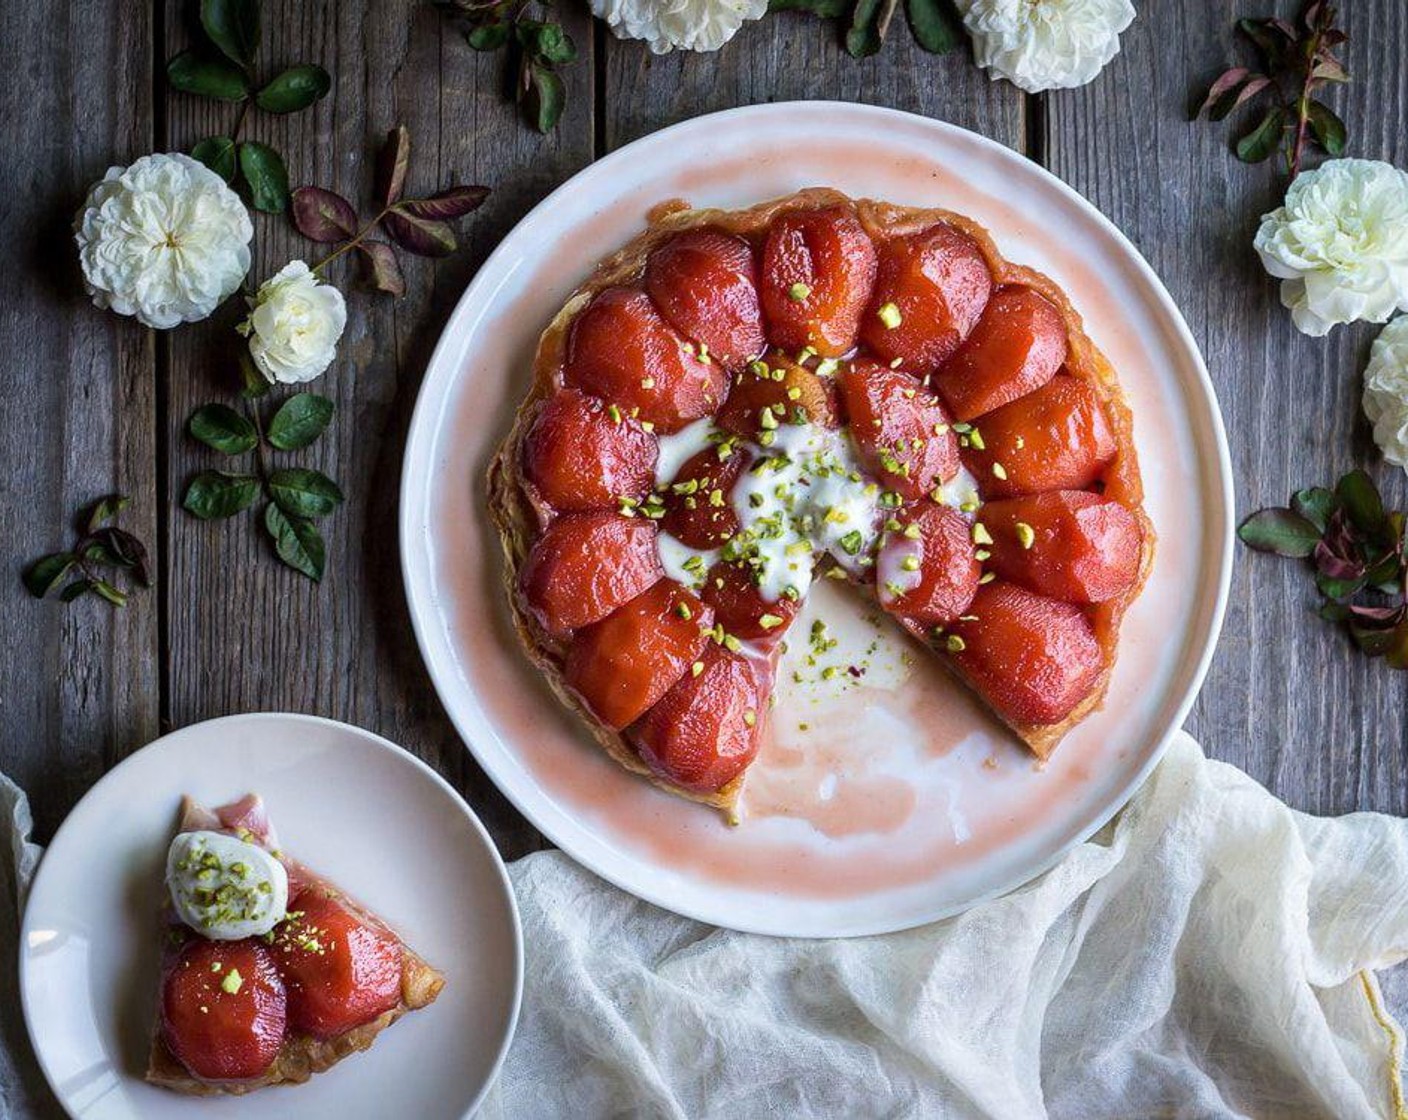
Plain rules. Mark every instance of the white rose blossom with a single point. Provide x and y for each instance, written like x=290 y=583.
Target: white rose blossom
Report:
x=294 y=324
x=1339 y=244
x=1045 y=44
x=691 y=25
x=1386 y=391
x=165 y=240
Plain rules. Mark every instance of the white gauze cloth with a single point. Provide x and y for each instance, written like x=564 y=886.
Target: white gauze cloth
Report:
x=1207 y=955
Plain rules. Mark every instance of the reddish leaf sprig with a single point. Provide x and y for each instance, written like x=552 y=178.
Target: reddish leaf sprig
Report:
x=417 y=225
x=1359 y=554
x=1295 y=60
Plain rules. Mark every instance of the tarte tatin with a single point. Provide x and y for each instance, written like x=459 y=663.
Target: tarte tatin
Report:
x=738 y=402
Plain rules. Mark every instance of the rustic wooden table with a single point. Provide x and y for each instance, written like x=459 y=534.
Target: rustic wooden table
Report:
x=95 y=403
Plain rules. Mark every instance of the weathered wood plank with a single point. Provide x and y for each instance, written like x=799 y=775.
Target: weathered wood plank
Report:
x=793 y=55
x=80 y=682
x=246 y=633
x=1288 y=698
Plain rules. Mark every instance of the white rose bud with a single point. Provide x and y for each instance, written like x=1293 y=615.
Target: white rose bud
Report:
x=165 y=240
x=294 y=324
x=1339 y=244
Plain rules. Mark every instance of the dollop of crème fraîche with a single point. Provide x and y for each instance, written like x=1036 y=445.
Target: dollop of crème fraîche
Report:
x=225 y=888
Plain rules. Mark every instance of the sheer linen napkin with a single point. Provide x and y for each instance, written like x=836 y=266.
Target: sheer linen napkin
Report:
x=1209 y=954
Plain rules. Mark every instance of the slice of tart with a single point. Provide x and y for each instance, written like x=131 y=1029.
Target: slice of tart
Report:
x=740 y=402
x=269 y=973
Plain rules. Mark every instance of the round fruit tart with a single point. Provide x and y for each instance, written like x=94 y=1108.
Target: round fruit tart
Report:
x=740 y=402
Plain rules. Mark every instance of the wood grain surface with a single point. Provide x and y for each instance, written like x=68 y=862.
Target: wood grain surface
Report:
x=95 y=403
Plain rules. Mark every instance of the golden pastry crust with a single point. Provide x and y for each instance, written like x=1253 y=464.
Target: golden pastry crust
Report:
x=519 y=515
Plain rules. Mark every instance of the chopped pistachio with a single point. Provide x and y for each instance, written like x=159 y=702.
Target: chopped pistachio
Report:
x=981 y=534
x=955 y=644
x=889 y=315
x=1026 y=535
x=799 y=291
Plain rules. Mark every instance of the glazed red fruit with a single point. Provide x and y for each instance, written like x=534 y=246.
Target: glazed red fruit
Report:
x=705 y=731
x=699 y=503
x=340 y=972
x=1056 y=438
x=705 y=285
x=1017 y=346
x=580 y=459
x=623 y=352
x=220 y=1034
x=1034 y=659
x=585 y=565
x=818 y=270
x=1075 y=545
x=941 y=588
x=798 y=394
x=937 y=284
x=901 y=429
x=623 y=664
x=740 y=608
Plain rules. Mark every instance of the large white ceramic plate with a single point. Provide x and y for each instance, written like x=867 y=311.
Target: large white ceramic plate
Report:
x=353 y=807
x=908 y=818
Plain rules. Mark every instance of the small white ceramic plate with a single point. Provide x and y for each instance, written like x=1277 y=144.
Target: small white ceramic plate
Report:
x=353 y=807
x=895 y=806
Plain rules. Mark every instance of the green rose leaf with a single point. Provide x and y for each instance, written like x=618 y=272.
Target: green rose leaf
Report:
x=546 y=42
x=826 y=9
x=392 y=162
x=44 y=574
x=1282 y=531
x=296 y=541
x=216 y=494
x=1360 y=498
x=488 y=36
x=207 y=77
x=935 y=24
x=864 y=36
x=544 y=98
x=266 y=175
x=221 y=427
x=1327 y=128
x=1261 y=142
x=296 y=88
x=300 y=420
x=301 y=492
x=218 y=154
x=104 y=510
x=109 y=592
x=233 y=26
x=1315 y=504
x=75 y=589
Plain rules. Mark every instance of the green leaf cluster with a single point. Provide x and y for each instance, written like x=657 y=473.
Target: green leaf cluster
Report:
x=294 y=496
x=1294 y=59
x=1357 y=549
x=101 y=545
x=935 y=24
x=222 y=67
x=536 y=48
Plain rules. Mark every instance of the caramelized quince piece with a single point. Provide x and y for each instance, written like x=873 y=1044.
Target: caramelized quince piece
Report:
x=705 y=285
x=1032 y=658
x=926 y=571
x=623 y=664
x=929 y=293
x=585 y=565
x=1069 y=544
x=789 y=392
x=739 y=606
x=818 y=271
x=1017 y=346
x=901 y=429
x=340 y=972
x=623 y=352
x=223 y=1009
x=1056 y=438
x=579 y=458
x=706 y=729
x=699 y=502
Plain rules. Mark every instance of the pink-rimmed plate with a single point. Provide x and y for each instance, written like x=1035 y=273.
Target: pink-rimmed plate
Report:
x=898 y=802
